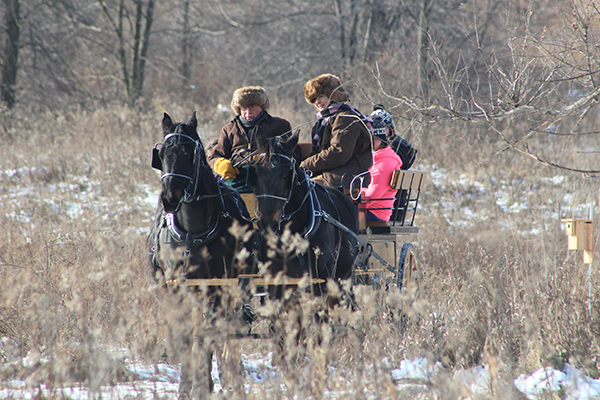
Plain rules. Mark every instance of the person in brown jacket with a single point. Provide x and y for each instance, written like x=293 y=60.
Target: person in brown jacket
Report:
x=340 y=137
x=250 y=105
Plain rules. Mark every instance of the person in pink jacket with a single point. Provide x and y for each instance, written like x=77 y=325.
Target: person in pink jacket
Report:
x=379 y=196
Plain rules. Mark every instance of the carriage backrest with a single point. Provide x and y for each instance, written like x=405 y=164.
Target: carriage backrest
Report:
x=408 y=185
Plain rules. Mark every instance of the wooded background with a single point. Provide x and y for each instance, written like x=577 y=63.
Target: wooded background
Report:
x=514 y=74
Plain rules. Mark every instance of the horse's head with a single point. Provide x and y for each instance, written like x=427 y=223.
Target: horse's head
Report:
x=180 y=157
x=275 y=173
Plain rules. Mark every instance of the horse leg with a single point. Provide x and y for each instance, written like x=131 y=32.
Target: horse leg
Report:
x=230 y=366
x=228 y=348
x=188 y=349
x=203 y=384
x=277 y=332
x=196 y=380
x=180 y=339
x=298 y=339
x=185 y=382
x=289 y=334
x=324 y=334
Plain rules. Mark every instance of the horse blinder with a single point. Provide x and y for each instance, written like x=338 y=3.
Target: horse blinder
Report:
x=251 y=177
x=156 y=161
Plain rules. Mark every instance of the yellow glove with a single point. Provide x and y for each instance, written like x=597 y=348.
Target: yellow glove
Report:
x=224 y=168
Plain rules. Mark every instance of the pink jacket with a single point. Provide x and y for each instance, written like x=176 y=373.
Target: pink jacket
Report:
x=385 y=161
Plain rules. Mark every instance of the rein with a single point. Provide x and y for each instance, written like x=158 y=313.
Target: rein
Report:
x=257 y=151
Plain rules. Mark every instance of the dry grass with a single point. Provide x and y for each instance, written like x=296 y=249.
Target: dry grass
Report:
x=500 y=291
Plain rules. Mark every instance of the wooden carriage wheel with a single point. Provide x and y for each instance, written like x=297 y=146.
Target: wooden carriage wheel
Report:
x=409 y=274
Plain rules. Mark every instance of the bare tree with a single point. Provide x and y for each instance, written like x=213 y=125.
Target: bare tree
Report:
x=525 y=84
x=132 y=24
x=422 y=47
x=10 y=59
x=185 y=45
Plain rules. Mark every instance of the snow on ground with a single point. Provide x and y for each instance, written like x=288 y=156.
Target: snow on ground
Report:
x=465 y=200
x=161 y=381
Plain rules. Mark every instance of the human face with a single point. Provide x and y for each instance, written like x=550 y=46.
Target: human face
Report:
x=250 y=113
x=376 y=143
x=321 y=102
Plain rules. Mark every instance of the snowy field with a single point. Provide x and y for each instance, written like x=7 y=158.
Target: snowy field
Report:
x=161 y=382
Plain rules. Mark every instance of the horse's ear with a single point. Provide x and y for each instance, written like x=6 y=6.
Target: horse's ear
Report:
x=193 y=122
x=261 y=142
x=260 y=139
x=291 y=142
x=166 y=123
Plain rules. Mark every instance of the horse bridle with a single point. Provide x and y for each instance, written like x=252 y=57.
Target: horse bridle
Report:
x=310 y=196
x=286 y=200
x=189 y=194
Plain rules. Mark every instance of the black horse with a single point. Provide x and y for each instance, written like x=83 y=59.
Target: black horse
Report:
x=199 y=231
x=289 y=200
x=299 y=222
x=192 y=237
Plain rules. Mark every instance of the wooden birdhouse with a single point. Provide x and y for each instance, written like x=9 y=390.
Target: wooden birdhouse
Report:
x=580 y=233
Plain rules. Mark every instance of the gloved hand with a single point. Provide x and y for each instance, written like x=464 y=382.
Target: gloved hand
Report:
x=224 y=168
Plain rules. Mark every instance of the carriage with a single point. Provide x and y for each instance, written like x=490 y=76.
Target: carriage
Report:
x=394 y=256
x=385 y=259
x=204 y=237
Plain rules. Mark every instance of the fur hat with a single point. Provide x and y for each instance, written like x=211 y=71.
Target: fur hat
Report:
x=379 y=111
x=379 y=129
x=328 y=85
x=249 y=96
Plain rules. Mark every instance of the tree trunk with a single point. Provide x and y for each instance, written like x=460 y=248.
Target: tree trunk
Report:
x=340 y=17
x=141 y=41
x=422 y=46
x=140 y=54
x=10 y=62
x=352 y=36
x=185 y=45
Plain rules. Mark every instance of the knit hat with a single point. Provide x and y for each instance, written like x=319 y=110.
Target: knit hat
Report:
x=249 y=96
x=379 y=129
x=328 y=85
x=379 y=111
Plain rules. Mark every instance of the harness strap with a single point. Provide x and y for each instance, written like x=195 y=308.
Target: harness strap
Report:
x=192 y=239
x=315 y=211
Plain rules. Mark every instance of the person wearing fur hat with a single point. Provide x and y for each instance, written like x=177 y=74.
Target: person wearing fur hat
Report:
x=379 y=196
x=250 y=105
x=340 y=137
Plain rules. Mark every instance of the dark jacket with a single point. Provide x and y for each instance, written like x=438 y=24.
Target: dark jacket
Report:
x=345 y=148
x=234 y=138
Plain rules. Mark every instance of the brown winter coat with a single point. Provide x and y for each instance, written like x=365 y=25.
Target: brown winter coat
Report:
x=345 y=148
x=233 y=138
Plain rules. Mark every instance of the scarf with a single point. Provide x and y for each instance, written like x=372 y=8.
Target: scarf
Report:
x=250 y=125
x=324 y=115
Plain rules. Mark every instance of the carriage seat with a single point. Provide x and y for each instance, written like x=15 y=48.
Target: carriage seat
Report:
x=407 y=184
x=305 y=150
